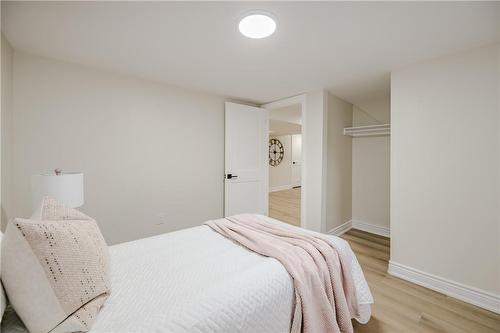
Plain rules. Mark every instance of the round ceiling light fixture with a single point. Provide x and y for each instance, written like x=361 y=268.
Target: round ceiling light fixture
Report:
x=257 y=24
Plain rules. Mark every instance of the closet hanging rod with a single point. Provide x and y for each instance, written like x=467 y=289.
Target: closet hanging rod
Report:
x=372 y=130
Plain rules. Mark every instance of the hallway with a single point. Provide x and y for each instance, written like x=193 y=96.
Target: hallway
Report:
x=285 y=206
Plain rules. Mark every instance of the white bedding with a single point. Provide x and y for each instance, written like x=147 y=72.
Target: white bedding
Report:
x=195 y=280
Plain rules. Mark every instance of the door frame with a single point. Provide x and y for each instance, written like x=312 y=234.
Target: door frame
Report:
x=289 y=101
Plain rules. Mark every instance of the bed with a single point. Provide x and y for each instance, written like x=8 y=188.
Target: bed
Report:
x=195 y=280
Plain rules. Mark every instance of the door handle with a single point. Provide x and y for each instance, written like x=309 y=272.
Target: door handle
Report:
x=231 y=176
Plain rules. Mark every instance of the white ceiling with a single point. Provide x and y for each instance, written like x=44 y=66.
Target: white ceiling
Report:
x=348 y=48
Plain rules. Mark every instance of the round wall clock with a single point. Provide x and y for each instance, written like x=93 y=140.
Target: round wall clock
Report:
x=276 y=152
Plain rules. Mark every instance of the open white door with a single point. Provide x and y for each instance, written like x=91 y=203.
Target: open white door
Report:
x=296 y=159
x=246 y=145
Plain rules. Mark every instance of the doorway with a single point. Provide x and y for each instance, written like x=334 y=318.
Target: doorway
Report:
x=247 y=166
x=285 y=163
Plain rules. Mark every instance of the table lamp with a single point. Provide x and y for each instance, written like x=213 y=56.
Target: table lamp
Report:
x=66 y=187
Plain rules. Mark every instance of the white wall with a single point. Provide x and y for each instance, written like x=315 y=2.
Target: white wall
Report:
x=290 y=114
x=371 y=166
x=280 y=176
x=6 y=126
x=314 y=154
x=150 y=153
x=372 y=112
x=445 y=168
x=327 y=160
x=339 y=163
x=278 y=127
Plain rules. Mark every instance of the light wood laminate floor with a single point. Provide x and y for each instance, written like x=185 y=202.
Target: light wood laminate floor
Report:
x=285 y=206
x=400 y=306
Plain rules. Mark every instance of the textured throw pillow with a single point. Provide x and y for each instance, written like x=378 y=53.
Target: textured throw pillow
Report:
x=55 y=269
x=3 y=299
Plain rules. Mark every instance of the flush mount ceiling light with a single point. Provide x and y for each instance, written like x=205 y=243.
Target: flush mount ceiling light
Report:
x=257 y=24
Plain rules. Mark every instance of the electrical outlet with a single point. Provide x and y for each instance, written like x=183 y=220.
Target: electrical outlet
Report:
x=161 y=219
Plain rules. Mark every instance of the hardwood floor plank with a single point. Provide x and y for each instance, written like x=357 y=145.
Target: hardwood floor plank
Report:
x=365 y=242
x=285 y=206
x=371 y=237
x=430 y=323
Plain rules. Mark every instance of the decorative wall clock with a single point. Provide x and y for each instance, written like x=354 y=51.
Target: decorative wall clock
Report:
x=276 y=152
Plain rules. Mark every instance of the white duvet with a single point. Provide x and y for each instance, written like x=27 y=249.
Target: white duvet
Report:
x=195 y=280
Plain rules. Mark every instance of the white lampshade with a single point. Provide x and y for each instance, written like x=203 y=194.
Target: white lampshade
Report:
x=66 y=187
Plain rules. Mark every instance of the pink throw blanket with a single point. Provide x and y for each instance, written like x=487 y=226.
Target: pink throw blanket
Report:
x=325 y=295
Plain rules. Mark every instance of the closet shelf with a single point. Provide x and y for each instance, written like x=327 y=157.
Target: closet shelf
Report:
x=372 y=130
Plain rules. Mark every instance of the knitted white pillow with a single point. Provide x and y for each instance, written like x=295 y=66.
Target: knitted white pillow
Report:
x=3 y=299
x=55 y=269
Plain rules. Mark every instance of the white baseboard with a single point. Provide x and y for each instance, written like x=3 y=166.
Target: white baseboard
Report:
x=280 y=188
x=356 y=224
x=371 y=228
x=450 y=288
x=341 y=229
